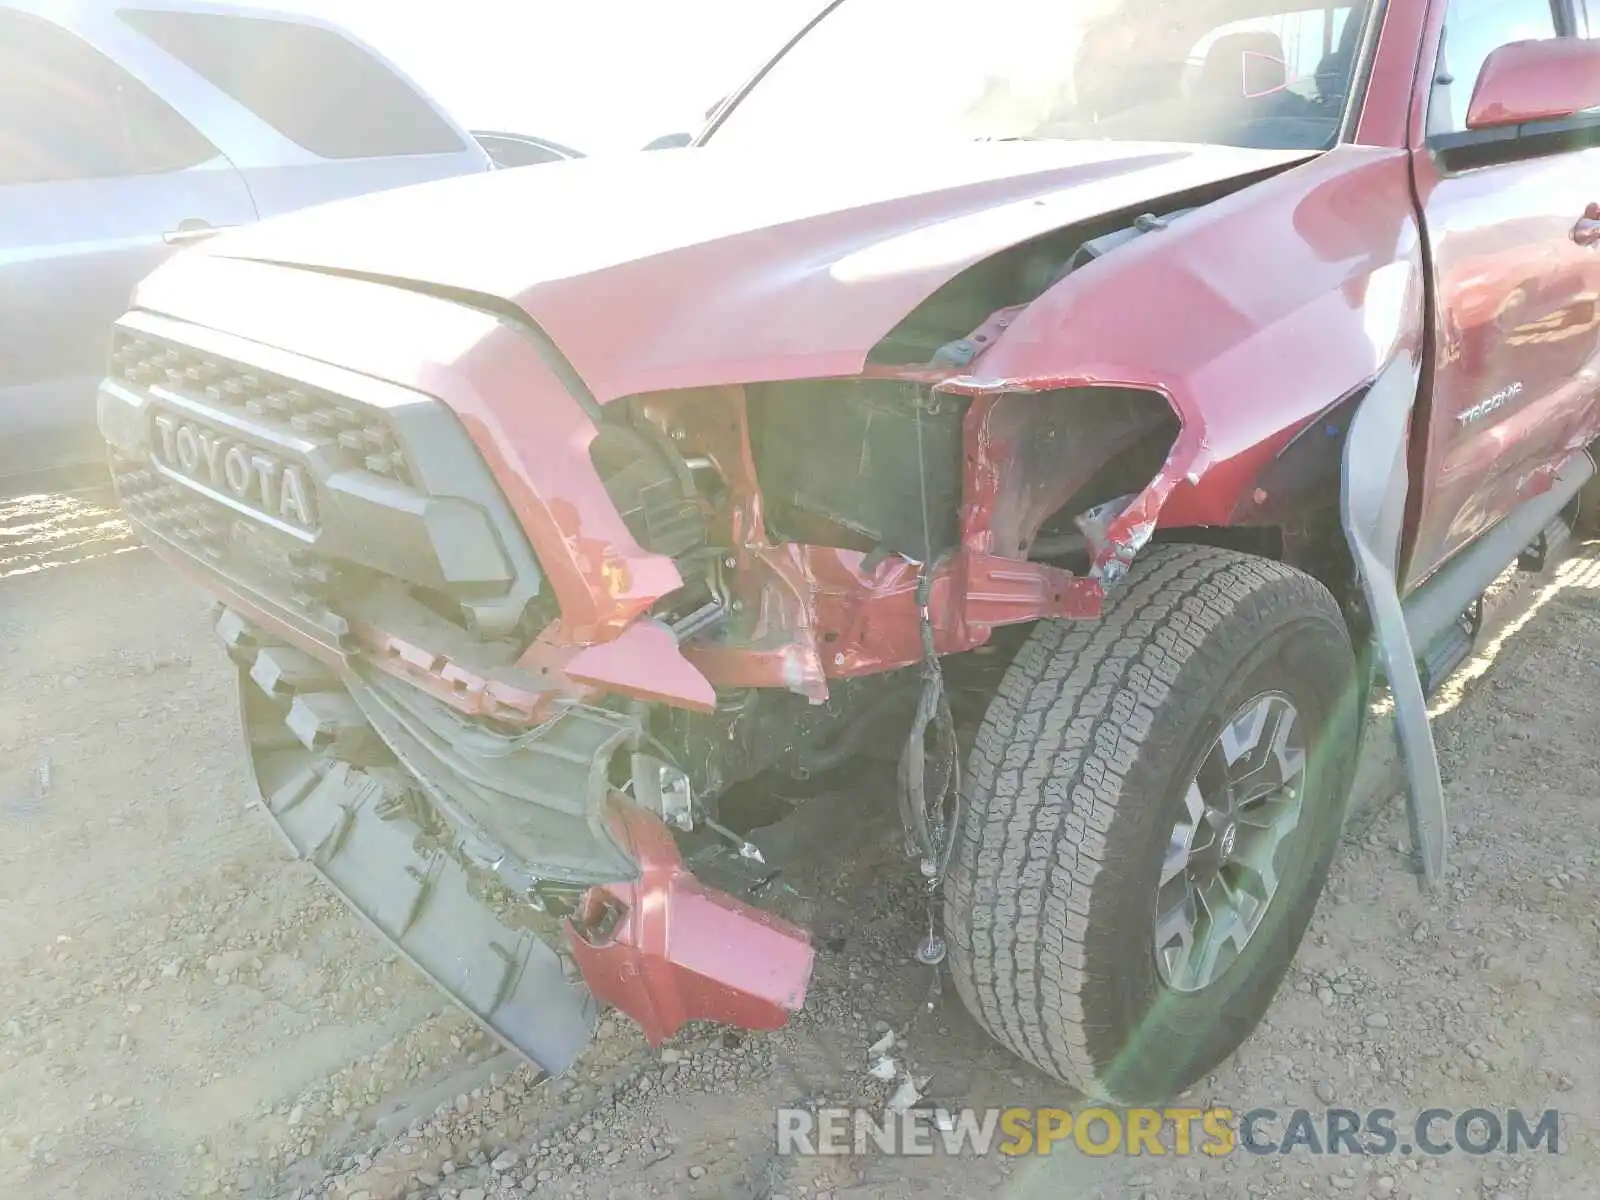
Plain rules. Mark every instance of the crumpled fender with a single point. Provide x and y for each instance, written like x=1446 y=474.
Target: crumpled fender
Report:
x=1249 y=315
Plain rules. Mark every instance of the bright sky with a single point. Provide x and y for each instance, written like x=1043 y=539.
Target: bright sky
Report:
x=596 y=74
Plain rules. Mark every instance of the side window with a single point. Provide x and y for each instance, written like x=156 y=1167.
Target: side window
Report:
x=1473 y=30
x=68 y=112
x=316 y=88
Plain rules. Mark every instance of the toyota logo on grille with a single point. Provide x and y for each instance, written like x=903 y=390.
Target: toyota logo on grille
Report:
x=235 y=468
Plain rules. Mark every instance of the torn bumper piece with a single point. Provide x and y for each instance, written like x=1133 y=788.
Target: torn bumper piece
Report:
x=336 y=817
x=663 y=948
x=666 y=949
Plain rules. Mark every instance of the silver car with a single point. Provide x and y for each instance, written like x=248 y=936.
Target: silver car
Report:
x=129 y=127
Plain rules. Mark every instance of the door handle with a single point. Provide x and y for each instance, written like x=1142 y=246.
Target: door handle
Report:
x=1587 y=231
x=193 y=229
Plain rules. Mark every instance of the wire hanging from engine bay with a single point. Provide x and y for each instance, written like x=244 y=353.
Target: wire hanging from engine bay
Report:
x=930 y=800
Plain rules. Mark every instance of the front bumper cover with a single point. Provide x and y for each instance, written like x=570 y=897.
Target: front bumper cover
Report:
x=369 y=747
x=662 y=947
x=666 y=949
x=355 y=833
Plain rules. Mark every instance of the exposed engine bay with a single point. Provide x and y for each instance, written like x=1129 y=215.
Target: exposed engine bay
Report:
x=833 y=539
x=871 y=466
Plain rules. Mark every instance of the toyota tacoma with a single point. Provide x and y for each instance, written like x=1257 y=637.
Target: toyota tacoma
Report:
x=1202 y=362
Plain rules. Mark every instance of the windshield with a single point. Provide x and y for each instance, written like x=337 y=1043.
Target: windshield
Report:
x=1272 y=74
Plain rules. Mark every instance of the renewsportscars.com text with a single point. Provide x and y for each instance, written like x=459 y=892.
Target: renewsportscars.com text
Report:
x=1181 y=1132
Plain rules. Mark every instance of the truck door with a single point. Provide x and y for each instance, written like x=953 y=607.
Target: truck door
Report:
x=1516 y=273
x=99 y=179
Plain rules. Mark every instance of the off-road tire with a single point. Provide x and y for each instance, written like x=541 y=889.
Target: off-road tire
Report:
x=1071 y=786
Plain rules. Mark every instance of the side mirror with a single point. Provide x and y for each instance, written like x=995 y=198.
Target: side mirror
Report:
x=716 y=108
x=1536 y=81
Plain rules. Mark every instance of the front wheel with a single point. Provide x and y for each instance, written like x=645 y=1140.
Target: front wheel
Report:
x=1154 y=799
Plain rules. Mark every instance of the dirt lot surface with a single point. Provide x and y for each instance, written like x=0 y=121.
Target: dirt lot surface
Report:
x=184 y=1011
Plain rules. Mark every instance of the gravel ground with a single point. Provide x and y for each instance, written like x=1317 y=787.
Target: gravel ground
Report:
x=183 y=1011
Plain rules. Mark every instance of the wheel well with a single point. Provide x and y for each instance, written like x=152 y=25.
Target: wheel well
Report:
x=1264 y=541
x=1291 y=515
x=1314 y=545
x=1077 y=449
x=1298 y=496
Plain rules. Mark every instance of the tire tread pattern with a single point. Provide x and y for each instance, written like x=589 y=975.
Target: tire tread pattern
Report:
x=1045 y=782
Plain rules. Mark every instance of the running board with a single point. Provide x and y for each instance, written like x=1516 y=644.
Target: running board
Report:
x=1548 y=549
x=1447 y=652
x=1442 y=599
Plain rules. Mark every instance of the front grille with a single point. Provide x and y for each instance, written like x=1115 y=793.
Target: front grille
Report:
x=306 y=483
x=278 y=568
x=363 y=437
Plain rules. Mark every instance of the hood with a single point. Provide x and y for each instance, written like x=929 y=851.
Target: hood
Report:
x=697 y=267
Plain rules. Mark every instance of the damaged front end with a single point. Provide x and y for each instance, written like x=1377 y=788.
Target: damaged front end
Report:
x=503 y=647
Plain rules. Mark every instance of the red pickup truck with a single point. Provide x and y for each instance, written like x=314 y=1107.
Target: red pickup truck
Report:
x=1201 y=362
